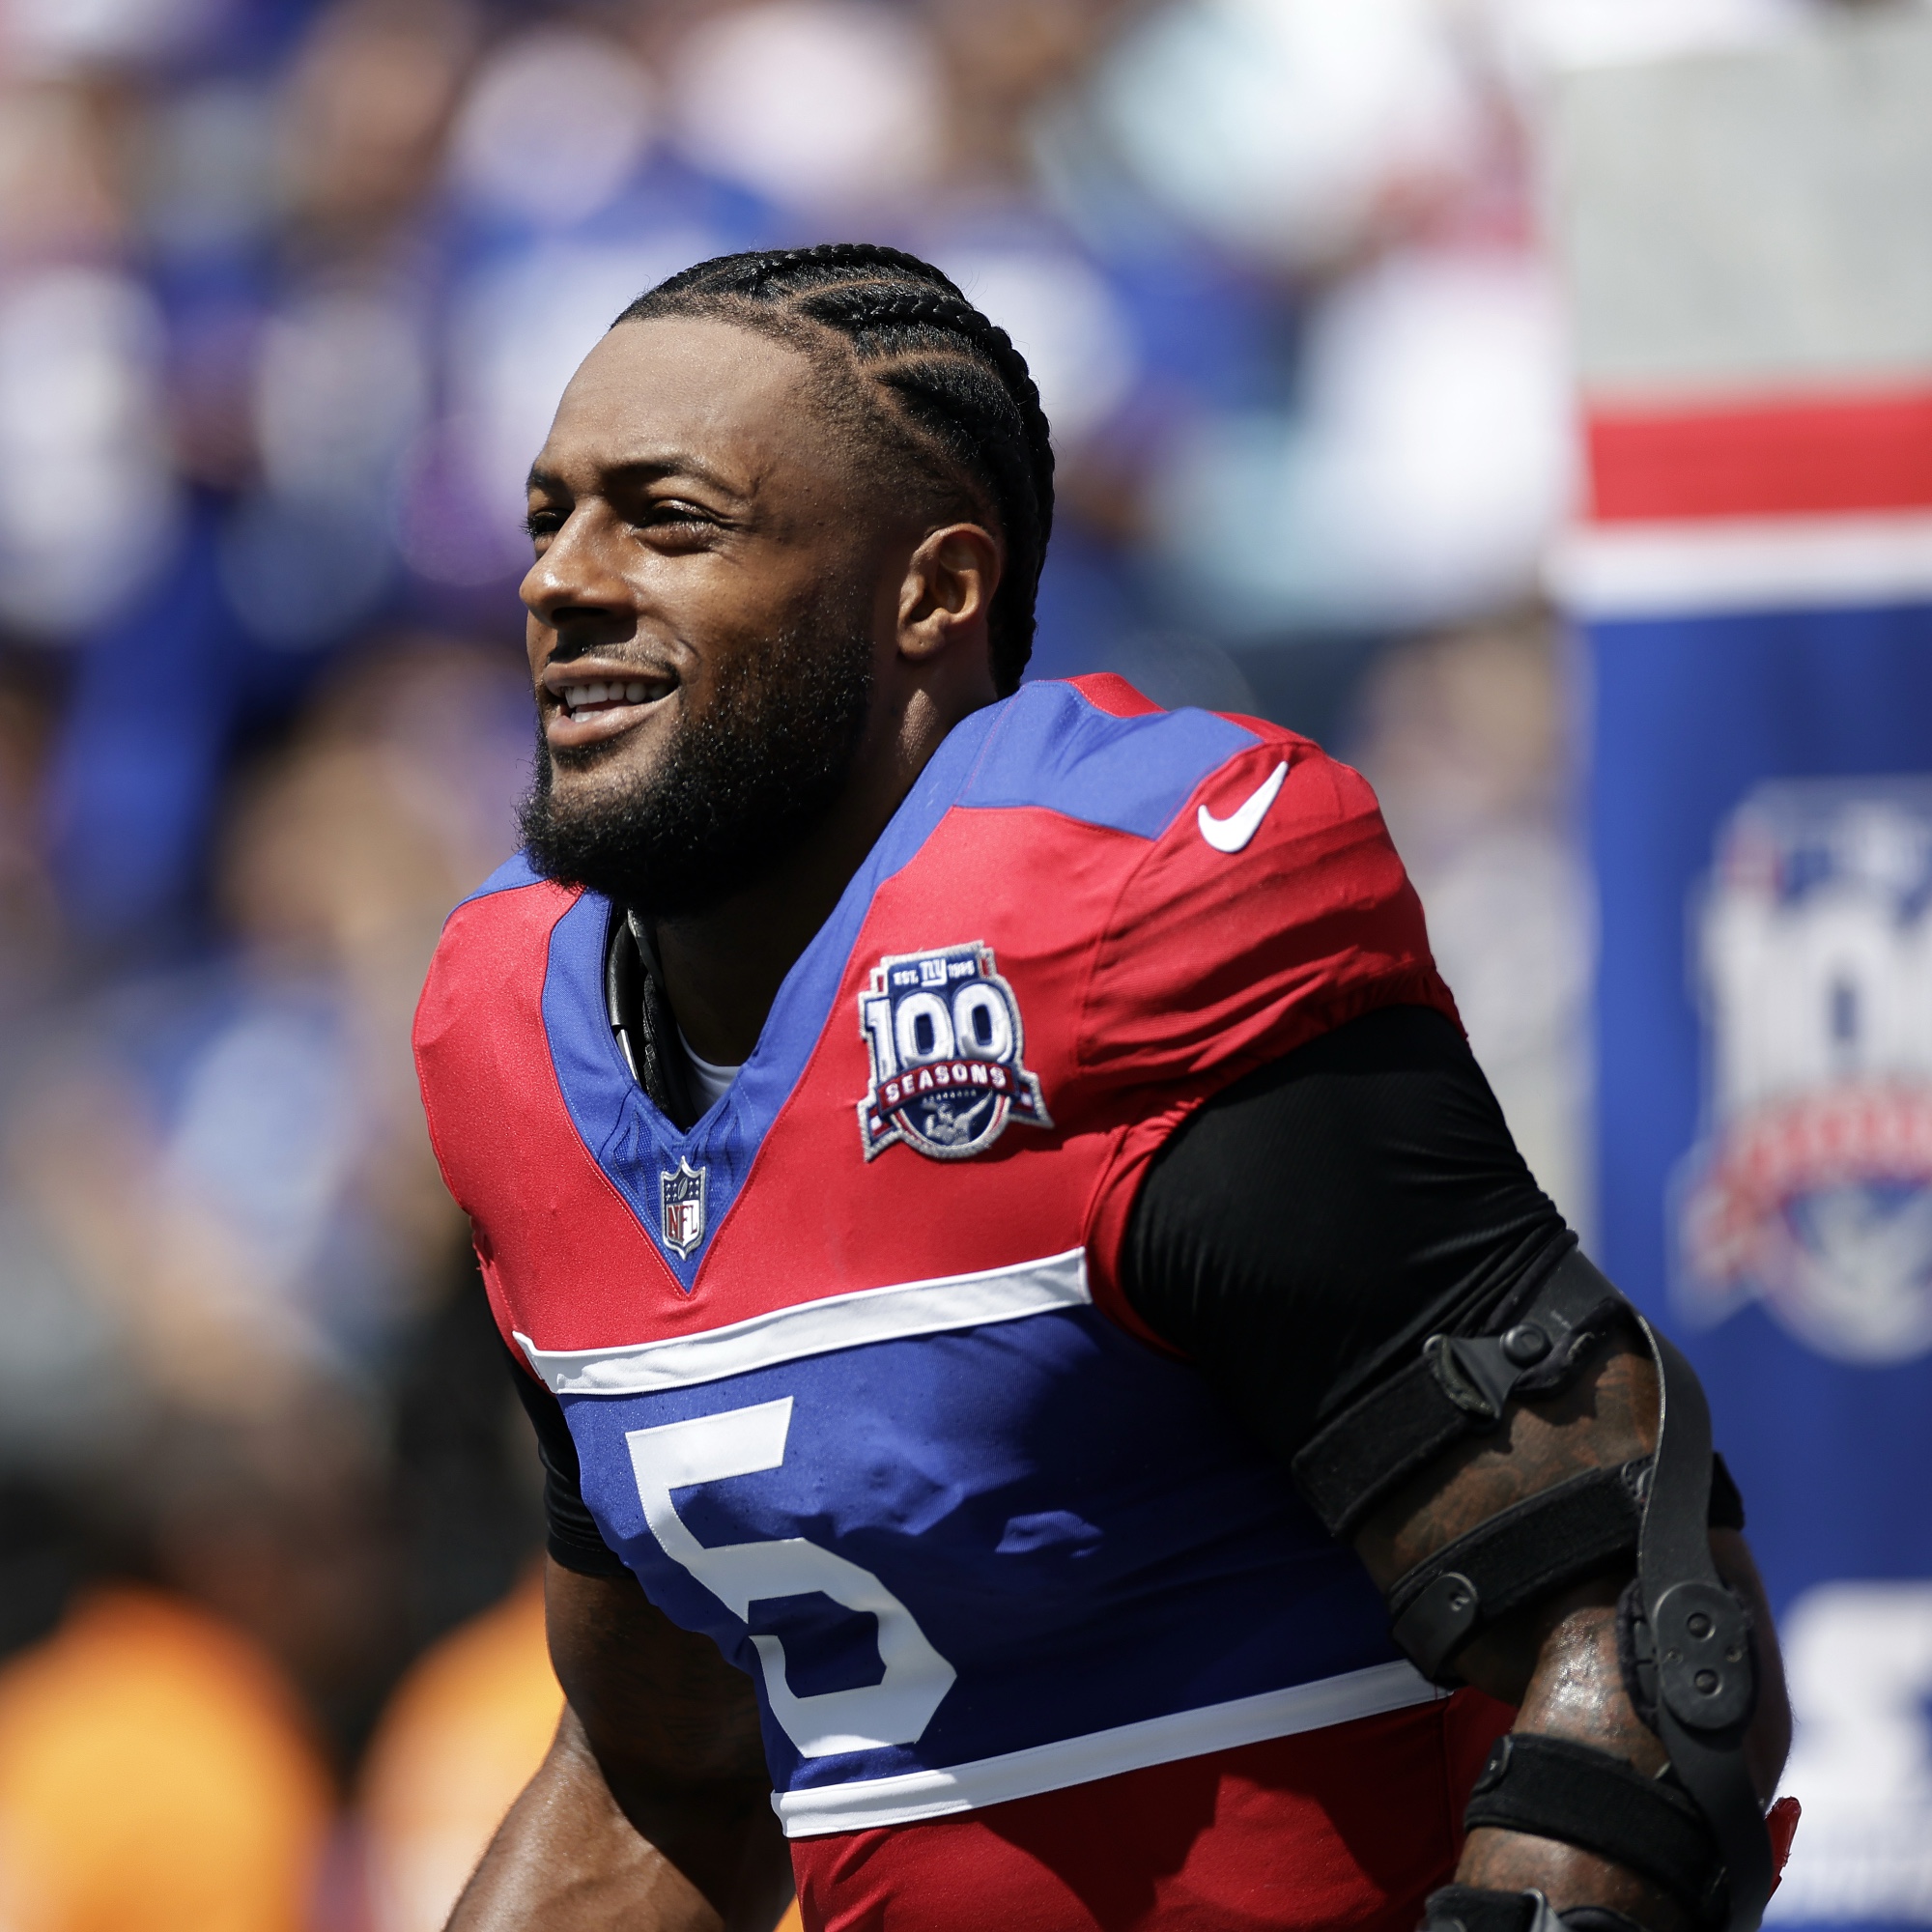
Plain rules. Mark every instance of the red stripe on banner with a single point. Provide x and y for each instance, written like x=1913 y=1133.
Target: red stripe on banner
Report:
x=1760 y=459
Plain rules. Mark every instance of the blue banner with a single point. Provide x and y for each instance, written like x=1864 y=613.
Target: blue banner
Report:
x=1762 y=823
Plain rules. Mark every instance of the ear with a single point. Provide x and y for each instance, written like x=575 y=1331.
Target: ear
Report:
x=947 y=596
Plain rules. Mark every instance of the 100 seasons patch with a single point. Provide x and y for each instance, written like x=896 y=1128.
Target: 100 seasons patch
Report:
x=947 y=1044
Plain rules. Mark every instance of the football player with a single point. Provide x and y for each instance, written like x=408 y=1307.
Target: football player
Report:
x=1062 y=1405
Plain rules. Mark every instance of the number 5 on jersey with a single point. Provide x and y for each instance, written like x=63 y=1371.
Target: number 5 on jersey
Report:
x=742 y=1442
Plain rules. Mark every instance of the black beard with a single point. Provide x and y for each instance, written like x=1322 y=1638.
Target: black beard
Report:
x=737 y=793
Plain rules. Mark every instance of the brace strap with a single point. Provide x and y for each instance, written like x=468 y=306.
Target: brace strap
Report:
x=1456 y=1385
x=1699 y=1636
x=1538 y=1545
x=1554 y=1789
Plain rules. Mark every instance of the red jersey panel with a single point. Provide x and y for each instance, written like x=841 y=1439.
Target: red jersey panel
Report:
x=1348 y=1827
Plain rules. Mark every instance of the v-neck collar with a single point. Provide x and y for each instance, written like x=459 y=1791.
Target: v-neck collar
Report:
x=640 y=1148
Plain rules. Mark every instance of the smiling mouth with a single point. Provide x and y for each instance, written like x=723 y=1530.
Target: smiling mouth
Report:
x=598 y=697
x=596 y=705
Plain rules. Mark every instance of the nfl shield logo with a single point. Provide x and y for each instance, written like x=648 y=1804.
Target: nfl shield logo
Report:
x=681 y=1193
x=943 y=1030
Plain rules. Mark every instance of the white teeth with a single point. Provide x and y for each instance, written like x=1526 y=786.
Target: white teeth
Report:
x=576 y=697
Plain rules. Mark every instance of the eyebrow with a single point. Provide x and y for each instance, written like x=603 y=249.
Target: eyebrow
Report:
x=642 y=469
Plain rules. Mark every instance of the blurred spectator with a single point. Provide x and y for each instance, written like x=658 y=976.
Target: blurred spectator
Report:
x=1466 y=738
x=155 y=1776
x=555 y=126
x=30 y=932
x=1007 y=61
x=226 y=1219
x=280 y=1523
x=1364 y=507
x=82 y=351
x=363 y=116
x=830 y=107
x=1294 y=130
x=464 y=1731
x=1369 y=157
x=273 y=1177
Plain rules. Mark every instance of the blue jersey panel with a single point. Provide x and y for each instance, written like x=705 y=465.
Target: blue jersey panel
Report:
x=515 y=871
x=1055 y=749
x=940 y=1549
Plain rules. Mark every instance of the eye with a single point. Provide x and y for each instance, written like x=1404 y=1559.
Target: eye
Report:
x=543 y=522
x=674 y=513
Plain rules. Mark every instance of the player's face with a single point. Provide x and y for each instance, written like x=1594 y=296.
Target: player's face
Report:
x=690 y=506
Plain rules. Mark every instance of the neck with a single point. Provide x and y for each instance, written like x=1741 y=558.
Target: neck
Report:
x=723 y=967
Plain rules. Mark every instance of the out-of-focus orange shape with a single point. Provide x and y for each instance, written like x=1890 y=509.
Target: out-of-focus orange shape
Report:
x=462 y=1736
x=155 y=1776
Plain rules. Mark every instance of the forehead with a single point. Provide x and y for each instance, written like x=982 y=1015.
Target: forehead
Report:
x=747 y=409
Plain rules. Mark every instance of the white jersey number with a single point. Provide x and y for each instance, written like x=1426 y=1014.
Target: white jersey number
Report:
x=740 y=1442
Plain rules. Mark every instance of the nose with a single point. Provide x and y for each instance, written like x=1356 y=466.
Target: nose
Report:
x=579 y=577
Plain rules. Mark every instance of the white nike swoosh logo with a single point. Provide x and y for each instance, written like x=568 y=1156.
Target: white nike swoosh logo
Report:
x=1231 y=833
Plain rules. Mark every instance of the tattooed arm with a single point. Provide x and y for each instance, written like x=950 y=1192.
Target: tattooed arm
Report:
x=1557 y=1661
x=652 y=1811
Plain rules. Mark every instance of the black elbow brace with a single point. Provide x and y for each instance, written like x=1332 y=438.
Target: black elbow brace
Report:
x=1684 y=1640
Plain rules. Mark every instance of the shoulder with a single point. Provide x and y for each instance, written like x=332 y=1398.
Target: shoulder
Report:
x=1192 y=891
x=1093 y=750
x=1229 y=819
x=1204 y=785
x=1259 y=900
x=1261 y=904
x=478 y=1034
x=516 y=893
x=493 y=946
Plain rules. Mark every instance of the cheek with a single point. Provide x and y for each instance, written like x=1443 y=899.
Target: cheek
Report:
x=702 y=605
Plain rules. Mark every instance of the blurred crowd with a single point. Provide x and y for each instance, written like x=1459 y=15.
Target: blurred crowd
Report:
x=288 y=290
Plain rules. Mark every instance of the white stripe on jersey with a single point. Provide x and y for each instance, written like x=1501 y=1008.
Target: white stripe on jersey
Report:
x=818 y=1327
x=867 y=1802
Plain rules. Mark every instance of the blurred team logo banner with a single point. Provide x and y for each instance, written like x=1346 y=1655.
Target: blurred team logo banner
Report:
x=1744 y=236
x=944 y=1033
x=1812 y=1189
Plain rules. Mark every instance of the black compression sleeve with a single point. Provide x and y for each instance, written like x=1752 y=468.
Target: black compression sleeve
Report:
x=1330 y=1209
x=573 y=1537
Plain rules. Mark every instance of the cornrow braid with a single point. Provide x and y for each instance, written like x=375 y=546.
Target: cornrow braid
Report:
x=963 y=393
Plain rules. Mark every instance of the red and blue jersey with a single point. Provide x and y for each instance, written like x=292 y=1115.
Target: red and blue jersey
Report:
x=853 y=1387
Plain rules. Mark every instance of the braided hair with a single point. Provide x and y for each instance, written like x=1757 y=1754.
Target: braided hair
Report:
x=958 y=398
